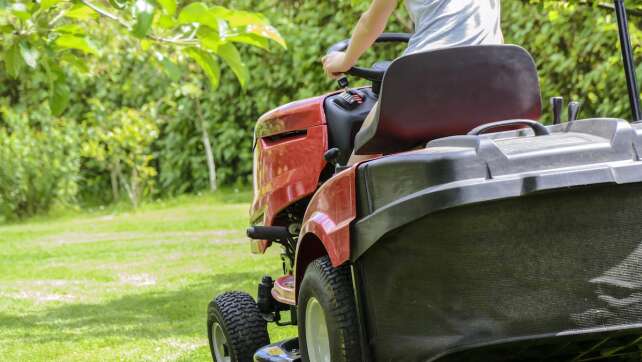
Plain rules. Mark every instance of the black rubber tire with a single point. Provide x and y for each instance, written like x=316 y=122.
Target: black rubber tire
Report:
x=332 y=288
x=240 y=319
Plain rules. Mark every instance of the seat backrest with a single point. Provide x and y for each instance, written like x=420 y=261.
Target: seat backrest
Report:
x=450 y=91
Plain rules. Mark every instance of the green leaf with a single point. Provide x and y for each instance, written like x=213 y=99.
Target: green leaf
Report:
x=13 y=61
x=146 y=44
x=169 y=6
x=70 y=29
x=68 y=41
x=267 y=32
x=232 y=57
x=198 y=13
x=6 y=28
x=46 y=4
x=144 y=13
x=238 y=18
x=118 y=4
x=250 y=39
x=192 y=13
x=20 y=10
x=166 y=21
x=207 y=63
x=220 y=12
x=81 y=12
x=59 y=97
x=209 y=38
x=77 y=63
x=29 y=55
x=172 y=70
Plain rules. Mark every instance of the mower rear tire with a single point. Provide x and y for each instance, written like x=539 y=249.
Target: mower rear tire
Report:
x=327 y=314
x=235 y=328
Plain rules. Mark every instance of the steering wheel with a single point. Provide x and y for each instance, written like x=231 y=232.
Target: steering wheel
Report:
x=371 y=74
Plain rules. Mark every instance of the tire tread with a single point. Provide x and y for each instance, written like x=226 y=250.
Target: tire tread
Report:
x=338 y=285
x=241 y=319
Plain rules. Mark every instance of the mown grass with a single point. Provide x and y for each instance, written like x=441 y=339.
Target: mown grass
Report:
x=124 y=285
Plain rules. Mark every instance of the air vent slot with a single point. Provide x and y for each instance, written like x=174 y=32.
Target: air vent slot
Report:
x=286 y=136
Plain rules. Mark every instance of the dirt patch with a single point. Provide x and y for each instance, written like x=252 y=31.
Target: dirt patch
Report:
x=139 y=280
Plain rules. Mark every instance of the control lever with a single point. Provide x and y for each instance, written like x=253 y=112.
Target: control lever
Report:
x=557 y=104
x=573 y=110
x=350 y=98
x=332 y=155
x=343 y=83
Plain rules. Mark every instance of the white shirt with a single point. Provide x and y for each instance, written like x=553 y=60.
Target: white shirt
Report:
x=450 y=23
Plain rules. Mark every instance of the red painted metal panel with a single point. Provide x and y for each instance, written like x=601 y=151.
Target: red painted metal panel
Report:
x=293 y=116
x=287 y=169
x=329 y=215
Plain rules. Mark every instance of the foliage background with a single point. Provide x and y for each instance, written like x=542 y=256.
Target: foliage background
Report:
x=127 y=89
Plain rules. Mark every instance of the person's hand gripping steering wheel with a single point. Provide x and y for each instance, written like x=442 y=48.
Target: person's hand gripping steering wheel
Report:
x=335 y=64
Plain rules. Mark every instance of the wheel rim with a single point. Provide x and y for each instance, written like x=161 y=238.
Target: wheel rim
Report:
x=221 y=350
x=316 y=332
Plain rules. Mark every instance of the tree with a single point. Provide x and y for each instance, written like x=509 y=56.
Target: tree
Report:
x=120 y=145
x=52 y=34
x=55 y=37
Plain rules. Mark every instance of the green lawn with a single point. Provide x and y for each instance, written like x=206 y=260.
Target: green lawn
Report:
x=124 y=285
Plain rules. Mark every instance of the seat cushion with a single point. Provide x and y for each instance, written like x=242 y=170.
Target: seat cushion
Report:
x=450 y=91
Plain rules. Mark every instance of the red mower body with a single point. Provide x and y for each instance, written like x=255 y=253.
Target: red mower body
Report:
x=288 y=160
x=457 y=239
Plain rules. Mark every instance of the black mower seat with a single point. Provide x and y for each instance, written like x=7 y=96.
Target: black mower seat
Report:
x=450 y=91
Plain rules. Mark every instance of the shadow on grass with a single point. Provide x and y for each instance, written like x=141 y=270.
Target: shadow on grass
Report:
x=146 y=315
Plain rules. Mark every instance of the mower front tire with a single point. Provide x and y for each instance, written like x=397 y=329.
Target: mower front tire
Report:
x=327 y=314
x=235 y=328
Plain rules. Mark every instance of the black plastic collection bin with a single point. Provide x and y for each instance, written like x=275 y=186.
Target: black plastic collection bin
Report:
x=484 y=242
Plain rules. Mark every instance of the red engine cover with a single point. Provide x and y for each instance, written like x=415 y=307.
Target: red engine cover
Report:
x=288 y=159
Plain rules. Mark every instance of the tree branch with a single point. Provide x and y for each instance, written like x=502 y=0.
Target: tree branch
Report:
x=56 y=18
x=128 y=26
x=174 y=41
x=106 y=14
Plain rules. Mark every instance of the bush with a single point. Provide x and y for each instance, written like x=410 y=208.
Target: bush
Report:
x=120 y=146
x=577 y=53
x=575 y=48
x=39 y=163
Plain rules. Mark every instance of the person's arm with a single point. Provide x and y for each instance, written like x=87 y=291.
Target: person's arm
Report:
x=371 y=24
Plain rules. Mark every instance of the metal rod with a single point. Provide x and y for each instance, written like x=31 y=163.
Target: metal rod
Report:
x=627 y=58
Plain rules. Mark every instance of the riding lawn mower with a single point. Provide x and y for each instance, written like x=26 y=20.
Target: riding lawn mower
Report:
x=472 y=232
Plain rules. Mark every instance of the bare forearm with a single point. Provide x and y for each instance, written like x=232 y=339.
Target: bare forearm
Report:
x=363 y=36
x=371 y=24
